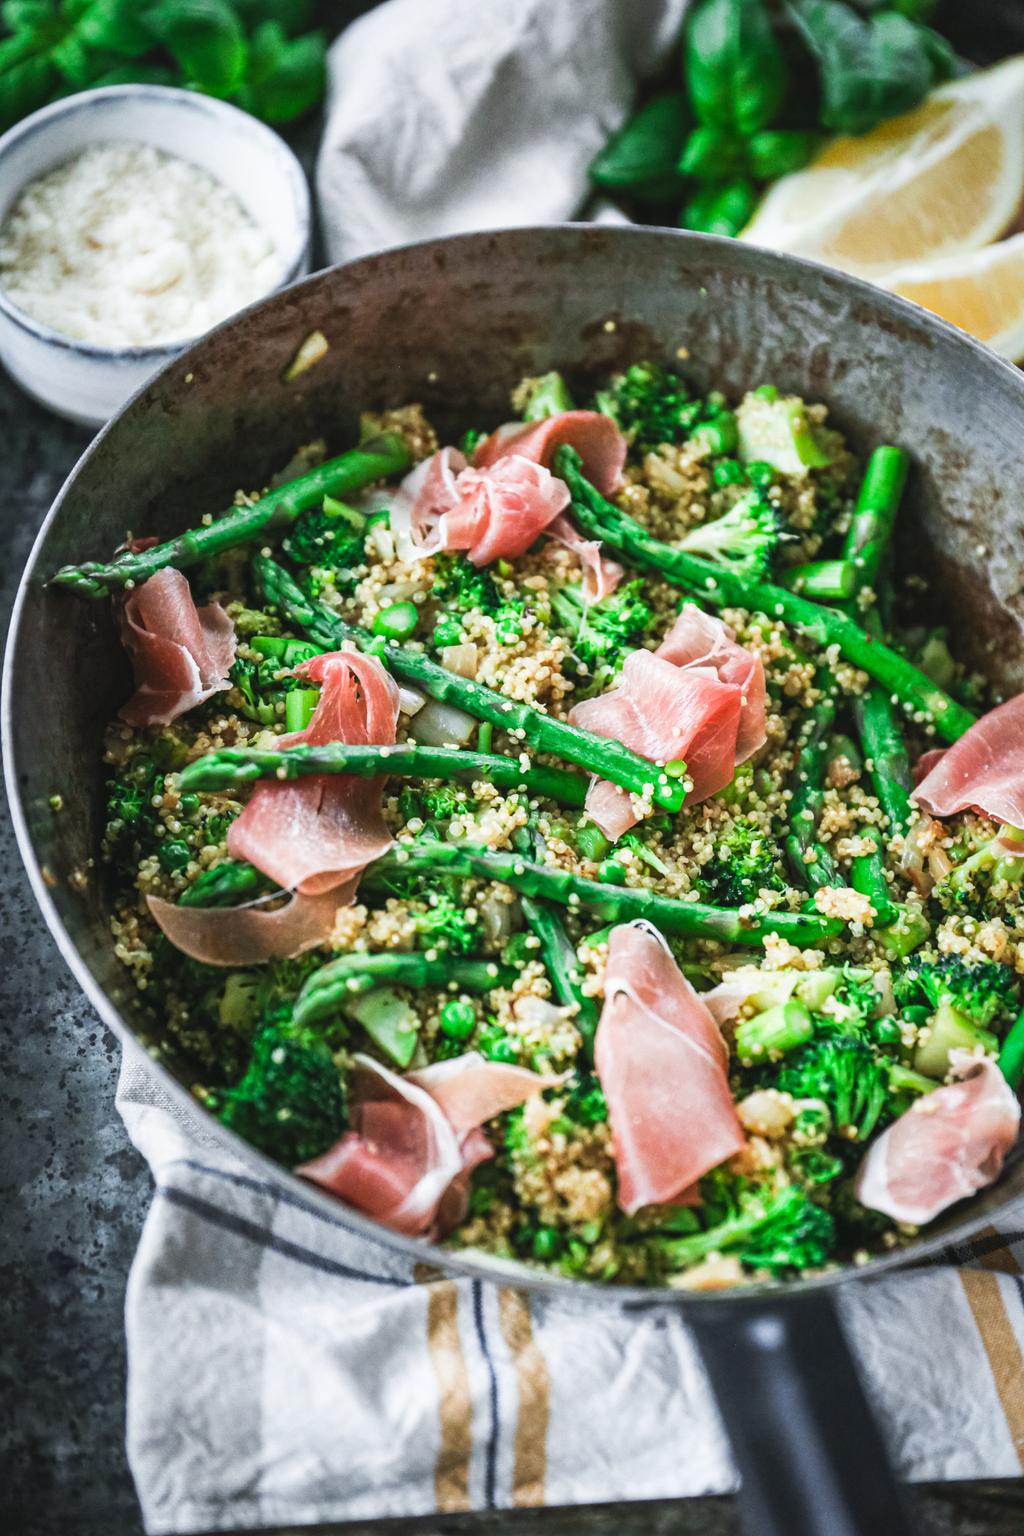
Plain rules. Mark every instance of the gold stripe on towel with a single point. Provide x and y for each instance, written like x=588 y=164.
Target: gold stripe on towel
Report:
x=534 y=1391
x=1001 y=1347
x=996 y=1258
x=455 y=1403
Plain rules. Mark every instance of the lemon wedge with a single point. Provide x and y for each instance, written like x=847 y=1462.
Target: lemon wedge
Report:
x=943 y=180
x=982 y=292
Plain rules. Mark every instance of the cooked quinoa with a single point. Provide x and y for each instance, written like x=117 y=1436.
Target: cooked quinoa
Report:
x=548 y=1195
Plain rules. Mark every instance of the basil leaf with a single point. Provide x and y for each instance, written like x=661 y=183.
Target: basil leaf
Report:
x=25 y=84
x=735 y=71
x=205 y=38
x=113 y=26
x=290 y=15
x=286 y=75
x=713 y=154
x=35 y=16
x=776 y=152
x=720 y=209
x=871 y=68
x=643 y=155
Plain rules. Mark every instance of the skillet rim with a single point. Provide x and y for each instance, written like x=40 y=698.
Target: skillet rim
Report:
x=455 y=1261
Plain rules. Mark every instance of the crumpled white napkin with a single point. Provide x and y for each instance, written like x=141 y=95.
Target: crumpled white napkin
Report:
x=446 y=116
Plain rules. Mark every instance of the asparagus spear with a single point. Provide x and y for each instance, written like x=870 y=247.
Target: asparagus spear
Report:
x=377 y=459
x=618 y=904
x=563 y=967
x=230 y=884
x=823 y=580
x=1011 y=1054
x=867 y=871
x=721 y=588
x=327 y=990
x=608 y=759
x=878 y=502
x=234 y=766
x=809 y=860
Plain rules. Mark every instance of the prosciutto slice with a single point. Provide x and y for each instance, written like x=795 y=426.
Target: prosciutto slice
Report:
x=984 y=770
x=250 y=935
x=416 y=1139
x=596 y=438
x=700 y=697
x=314 y=834
x=180 y=654
x=945 y=1147
x=663 y=1064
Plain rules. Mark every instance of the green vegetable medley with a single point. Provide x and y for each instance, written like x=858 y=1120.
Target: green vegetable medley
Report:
x=763 y=82
x=855 y=940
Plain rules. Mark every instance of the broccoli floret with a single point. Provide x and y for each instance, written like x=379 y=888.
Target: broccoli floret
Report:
x=586 y=1103
x=987 y=877
x=331 y=537
x=603 y=634
x=547 y=396
x=461 y=588
x=983 y=991
x=132 y=820
x=289 y=1101
x=744 y=539
x=775 y=1230
x=746 y=861
x=842 y=1071
x=651 y=405
x=446 y=925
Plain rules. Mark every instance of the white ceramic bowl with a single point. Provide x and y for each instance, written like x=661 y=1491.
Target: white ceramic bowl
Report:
x=88 y=383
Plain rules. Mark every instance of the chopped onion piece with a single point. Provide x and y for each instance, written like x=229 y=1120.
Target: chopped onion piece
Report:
x=463 y=659
x=410 y=700
x=442 y=725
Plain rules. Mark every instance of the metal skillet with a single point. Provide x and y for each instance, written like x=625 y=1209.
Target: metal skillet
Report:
x=455 y=323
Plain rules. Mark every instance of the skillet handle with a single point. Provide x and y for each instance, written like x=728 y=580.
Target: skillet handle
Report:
x=809 y=1451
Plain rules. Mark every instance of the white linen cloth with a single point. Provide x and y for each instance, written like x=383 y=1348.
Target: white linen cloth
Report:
x=283 y=1371
x=451 y=115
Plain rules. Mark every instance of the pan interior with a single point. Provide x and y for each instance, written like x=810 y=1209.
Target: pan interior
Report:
x=454 y=324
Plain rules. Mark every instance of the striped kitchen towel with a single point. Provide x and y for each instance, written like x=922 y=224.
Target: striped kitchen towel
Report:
x=283 y=1371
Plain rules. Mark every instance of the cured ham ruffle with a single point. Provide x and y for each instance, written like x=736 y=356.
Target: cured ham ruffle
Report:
x=180 y=654
x=700 y=697
x=416 y=1139
x=249 y=935
x=595 y=437
x=663 y=1066
x=946 y=1147
x=314 y=834
x=984 y=770
x=496 y=507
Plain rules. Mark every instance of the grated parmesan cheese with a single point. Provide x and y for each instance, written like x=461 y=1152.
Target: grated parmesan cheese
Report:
x=128 y=246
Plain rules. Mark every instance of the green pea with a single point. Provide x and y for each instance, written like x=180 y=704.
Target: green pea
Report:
x=497 y=1046
x=189 y=804
x=397 y=622
x=173 y=854
x=718 y=436
x=760 y=474
x=611 y=872
x=591 y=841
x=547 y=1243
x=727 y=472
x=458 y=1019
x=447 y=631
x=886 y=1031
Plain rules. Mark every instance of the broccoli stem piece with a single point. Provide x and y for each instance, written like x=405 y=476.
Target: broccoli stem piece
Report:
x=823 y=625
x=234 y=766
x=773 y=1033
x=810 y=862
x=328 y=990
x=379 y=458
x=878 y=502
x=616 y=904
x=549 y=397
x=823 y=580
x=608 y=759
x=1011 y=1054
x=226 y=885
x=563 y=968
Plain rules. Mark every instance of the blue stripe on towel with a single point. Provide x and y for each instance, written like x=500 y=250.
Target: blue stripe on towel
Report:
x=254 y=1233
x=490 y=1463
